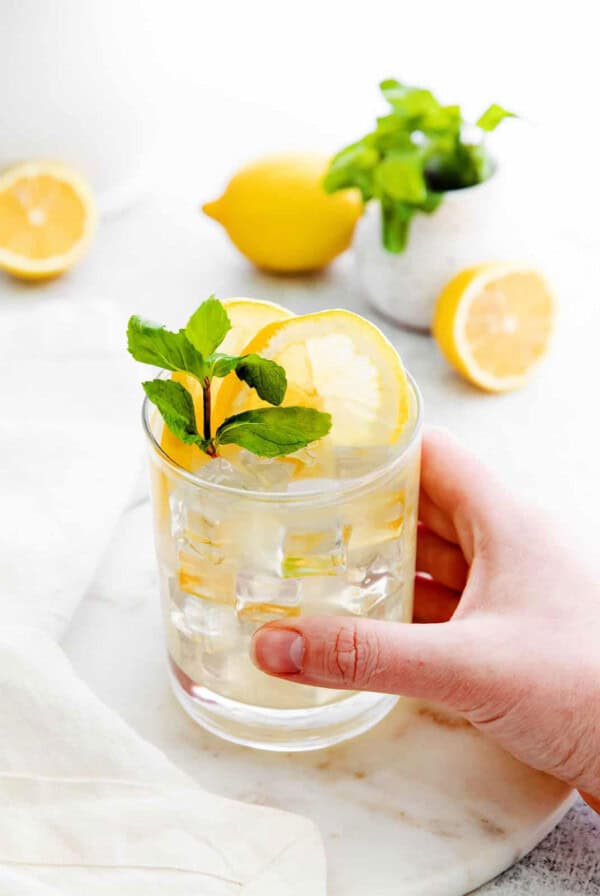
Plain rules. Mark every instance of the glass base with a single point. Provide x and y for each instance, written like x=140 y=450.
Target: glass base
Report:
x=281 y=730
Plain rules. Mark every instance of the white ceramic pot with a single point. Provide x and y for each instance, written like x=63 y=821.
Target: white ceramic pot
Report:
x=77 y=84
x=472 y=225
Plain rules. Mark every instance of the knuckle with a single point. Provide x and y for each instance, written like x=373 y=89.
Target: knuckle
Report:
x=355 y=656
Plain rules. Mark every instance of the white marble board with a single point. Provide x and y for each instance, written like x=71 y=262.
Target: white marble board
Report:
x=423 y=805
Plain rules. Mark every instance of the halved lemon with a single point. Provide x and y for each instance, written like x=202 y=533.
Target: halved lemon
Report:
x=247 y=317
x=47 y=217
x=335 y=361
x=493 y=323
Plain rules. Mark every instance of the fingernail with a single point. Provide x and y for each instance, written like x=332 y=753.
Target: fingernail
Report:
x=279 y=651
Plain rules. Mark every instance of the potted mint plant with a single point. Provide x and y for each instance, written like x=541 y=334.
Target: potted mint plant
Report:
x=430 y=186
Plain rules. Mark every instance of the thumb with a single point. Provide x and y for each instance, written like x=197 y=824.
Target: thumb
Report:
x=433 y=662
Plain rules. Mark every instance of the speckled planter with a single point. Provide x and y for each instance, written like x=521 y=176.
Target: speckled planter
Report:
x=470 y=226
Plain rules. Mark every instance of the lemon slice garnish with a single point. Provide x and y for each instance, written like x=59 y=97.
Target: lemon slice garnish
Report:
x=335 y=361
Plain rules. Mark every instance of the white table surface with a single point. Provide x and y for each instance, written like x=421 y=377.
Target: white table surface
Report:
x=160 y=259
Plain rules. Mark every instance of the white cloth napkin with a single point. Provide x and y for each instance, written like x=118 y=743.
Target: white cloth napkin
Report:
x=70 y=448
x=86 y=806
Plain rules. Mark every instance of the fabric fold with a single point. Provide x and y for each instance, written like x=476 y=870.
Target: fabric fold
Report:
x=87 y=806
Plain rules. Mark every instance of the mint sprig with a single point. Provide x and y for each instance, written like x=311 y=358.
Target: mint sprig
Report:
x=415 y=154
x=272 y=432
x=267 y=432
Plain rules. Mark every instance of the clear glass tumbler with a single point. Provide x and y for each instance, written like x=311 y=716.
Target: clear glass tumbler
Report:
x=232 y=559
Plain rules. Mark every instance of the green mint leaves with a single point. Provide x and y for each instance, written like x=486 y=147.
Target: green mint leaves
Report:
x=208 y=326
x=151 y=343
x=272 y=432
x=414 y=155
x=492 y=117
x=176 y=408
x=268 y=432
x=267 y=377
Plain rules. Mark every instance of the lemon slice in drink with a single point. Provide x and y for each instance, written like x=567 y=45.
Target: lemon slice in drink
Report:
x=247 y=317
x=493 y=323
x=47 y=217
x=335 y=361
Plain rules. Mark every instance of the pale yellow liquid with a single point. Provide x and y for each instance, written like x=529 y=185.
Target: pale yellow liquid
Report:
x=229 y=564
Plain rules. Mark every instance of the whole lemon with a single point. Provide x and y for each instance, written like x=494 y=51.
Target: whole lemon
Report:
x=278 y=215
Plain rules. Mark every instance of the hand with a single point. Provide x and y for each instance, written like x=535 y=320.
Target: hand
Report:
x=520 y=655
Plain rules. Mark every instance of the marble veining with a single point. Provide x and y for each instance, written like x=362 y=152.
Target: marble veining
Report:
x=422 y=805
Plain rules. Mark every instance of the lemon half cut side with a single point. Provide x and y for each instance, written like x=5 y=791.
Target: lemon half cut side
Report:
x=47 y=218
x=493 y=323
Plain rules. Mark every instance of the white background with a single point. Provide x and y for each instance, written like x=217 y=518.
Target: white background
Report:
x=185 y=91
x=98 y=81
x=261 y=75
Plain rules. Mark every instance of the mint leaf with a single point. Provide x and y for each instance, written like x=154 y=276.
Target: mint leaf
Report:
x=267 y=377
x=273 y=432
x=392 y=89
x=492 y=117
x=352 y=167
x=401 y=177
x=207 y=327
x=176 y=408
x=221 y=365
x=152 y=343
x=414 y=103
x=444 y=121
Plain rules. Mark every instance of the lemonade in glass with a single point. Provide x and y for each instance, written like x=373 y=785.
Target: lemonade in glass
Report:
x=247 y=533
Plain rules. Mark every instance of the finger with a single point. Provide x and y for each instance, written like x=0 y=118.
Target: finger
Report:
x=428 y=661
x=431 y=515
x=442 y=560
x=461 y=487
x=433 y=602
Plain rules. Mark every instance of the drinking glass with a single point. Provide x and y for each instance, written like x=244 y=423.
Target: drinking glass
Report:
x=232 y=558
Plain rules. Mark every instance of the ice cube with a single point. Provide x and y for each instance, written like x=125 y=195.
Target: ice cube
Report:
x=269 y=474
x=202 y=524
x=248 y=472
x=315 y=552
x=202 y=635
x=374 y=589
x=381 y=519
x=211 y=625
x=209 y=581
x=352 y=462
x=314 y=461
x=322 y=595
x=261 y=598
x=220 y=471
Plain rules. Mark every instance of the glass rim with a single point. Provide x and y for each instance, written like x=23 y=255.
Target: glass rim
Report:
x=354 y=485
